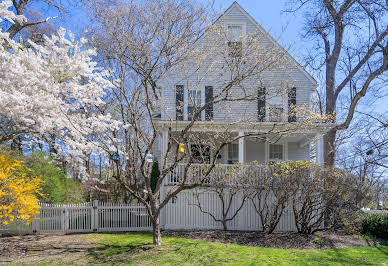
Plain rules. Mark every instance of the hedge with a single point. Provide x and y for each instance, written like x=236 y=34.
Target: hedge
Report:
x=376 y=224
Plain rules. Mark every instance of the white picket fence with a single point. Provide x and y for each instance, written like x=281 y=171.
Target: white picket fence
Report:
x=181 y=213
x=86 y=217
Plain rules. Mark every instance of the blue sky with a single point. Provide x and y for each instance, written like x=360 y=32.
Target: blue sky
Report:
x=268 y=13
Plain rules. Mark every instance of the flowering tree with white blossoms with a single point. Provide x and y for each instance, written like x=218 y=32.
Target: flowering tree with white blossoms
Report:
x=52 y=89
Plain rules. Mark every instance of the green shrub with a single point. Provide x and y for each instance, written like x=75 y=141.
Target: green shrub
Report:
x=57 y=187
x=155 y=173
x=376 y=224
x=352 y=221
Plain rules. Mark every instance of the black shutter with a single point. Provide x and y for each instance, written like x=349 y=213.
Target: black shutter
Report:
x=209 y=98
x=179 y=102
x=261 y=104
x=291 y=105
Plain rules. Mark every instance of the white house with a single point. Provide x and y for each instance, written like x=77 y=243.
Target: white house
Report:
x=271 y=93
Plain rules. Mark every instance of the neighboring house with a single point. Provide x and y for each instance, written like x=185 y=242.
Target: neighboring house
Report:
x=184 y=91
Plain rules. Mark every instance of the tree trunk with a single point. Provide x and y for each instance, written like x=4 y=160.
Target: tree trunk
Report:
x=225 y=227
x=157 y=237
x=331 y=106
x=330 y=148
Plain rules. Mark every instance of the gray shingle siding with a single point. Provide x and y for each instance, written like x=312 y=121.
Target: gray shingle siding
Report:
x=290 y=75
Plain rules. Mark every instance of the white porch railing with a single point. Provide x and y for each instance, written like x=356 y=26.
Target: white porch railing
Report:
x=196 y=172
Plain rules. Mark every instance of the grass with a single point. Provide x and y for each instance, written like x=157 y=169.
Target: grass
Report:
x=136 y=248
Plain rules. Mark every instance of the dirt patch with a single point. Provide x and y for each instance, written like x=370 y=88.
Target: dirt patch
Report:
x=35 y=248
x=285 y=240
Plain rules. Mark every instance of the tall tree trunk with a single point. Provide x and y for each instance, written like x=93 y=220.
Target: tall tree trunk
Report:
x=157 y=236
x=331 y=106
x=330 y=148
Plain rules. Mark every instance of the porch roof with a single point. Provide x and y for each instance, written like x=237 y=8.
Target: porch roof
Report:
x=213 y=126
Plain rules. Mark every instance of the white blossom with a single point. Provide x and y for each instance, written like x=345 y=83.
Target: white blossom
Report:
x=52 y=88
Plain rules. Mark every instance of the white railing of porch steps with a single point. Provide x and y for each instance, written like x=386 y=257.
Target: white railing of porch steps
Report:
x=197 y=171
x=85 y=217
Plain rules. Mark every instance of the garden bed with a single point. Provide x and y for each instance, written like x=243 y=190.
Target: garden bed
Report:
x=285 y=240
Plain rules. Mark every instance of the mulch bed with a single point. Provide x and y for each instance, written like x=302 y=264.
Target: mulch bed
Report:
x=285 y=240
x=42 y=246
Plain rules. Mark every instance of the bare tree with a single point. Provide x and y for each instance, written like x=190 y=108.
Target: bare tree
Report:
x=231 y=188
x=33 y=21
x=367 y=156
x=272 y=194
x=352 y=51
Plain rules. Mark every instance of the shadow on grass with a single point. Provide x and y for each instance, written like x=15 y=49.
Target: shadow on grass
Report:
x=126 y=252
x=113 y=253
x=346 y=257
x=135 y=249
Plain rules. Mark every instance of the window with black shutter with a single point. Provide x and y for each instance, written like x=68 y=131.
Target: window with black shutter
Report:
x=209 y=98
x=291 y=105
x=194 y=104
x=261 y=104
x=179 y=102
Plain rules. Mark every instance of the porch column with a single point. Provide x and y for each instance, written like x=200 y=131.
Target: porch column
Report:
x=241 y=147
x=319 y=149
x=163 y=150
x=164 y=145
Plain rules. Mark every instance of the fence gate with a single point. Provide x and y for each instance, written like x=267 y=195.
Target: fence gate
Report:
x=85 y=217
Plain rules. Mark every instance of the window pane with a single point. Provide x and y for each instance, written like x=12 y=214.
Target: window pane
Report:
x=232 y=153
x=194 y=103
x=195 y=98
x=275 y=113
x=275 y=152
x=234 y=32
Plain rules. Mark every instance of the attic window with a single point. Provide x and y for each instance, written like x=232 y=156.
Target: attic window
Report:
x=235 y=32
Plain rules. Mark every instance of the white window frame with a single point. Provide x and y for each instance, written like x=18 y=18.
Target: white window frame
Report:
x=243 y=30
x=283 y=104
x=285 y=151
x=187 y=102
x=236 y=160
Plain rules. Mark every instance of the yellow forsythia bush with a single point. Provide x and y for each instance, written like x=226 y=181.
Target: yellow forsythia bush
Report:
x=18 y=191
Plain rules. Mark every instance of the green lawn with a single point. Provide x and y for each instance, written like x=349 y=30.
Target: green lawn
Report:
x=136 y=248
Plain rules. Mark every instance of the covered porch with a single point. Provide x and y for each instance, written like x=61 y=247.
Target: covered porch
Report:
x=249 y=144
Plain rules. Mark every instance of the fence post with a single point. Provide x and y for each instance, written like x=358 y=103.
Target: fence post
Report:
x=34 y=224
x=65 y=220
x=94 y=216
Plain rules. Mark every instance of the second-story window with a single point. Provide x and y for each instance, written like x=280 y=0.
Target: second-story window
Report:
x=275 y=113
x=194 y=104
x=275 y=108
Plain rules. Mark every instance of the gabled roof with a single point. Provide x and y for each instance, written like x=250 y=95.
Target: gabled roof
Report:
x=237 y=5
